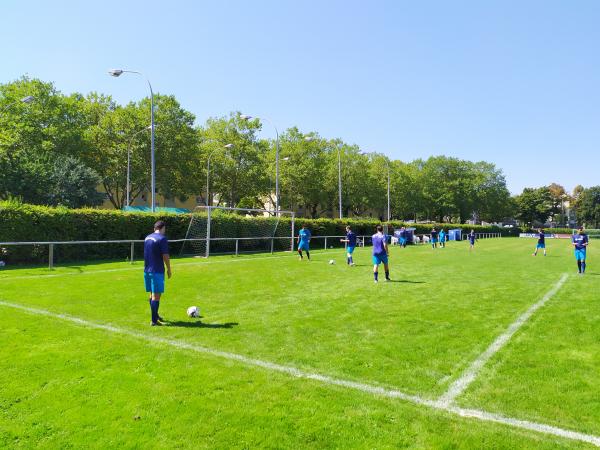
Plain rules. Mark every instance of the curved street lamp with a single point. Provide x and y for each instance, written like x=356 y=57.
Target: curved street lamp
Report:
x=26 y=100
x=118 y=73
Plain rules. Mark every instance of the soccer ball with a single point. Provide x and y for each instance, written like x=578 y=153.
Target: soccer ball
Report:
x=331 y=261
x=193 y=311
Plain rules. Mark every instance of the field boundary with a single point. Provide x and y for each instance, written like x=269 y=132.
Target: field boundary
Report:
x=325 y=379
x=469 y=375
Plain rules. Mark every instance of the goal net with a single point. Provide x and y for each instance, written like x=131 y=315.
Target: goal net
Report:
x=220 y=230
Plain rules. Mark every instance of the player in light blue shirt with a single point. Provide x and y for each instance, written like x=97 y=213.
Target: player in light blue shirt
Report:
x=304 y=242
x=580 y=241
x=442 y=236
x=380 y=254
x=351 y=244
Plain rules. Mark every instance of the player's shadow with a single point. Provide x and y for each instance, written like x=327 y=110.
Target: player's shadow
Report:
x=198 y=324
x=406 y=281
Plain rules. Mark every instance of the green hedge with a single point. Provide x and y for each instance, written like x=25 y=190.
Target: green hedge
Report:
x=22 y=222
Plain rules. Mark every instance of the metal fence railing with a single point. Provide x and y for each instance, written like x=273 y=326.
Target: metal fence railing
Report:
x=47 y=250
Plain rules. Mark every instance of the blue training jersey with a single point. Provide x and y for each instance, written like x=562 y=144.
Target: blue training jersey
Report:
x=402 y=234
x=434 y=234
x=155 y=246
x=379 y=241
x=542 y=238
x=304 y=235
x=472 y=238
x=579 y=240
x=351 y=236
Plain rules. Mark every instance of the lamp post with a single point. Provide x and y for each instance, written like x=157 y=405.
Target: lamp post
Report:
x=387 y=163
x=25 y=100
x=227 y=146
x=118 y=73
x=246 y=118
x=129 y=162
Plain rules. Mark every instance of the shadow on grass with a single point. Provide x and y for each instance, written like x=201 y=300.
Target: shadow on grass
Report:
x=406 y=281
x=198 y=324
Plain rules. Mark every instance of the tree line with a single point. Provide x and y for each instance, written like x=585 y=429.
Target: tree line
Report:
x=58 y=149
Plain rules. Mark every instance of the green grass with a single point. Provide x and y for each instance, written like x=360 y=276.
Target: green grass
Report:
x=65 y=385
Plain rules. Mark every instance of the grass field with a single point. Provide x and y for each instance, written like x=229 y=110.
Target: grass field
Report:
x=292 y=354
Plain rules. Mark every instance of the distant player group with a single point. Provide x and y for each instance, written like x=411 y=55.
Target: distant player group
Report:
x=156 y=255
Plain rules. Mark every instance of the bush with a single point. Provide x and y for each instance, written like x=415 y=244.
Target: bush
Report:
x=32 y=223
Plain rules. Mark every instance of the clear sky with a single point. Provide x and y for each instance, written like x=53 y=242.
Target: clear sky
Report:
x=511 y=82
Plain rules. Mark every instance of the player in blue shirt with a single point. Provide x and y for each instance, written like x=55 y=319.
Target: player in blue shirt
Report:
x=434 y=237
x=402 y=237
x=351 y=241
x=541 y=243
x=472 y=237
x=442 y=238
x=156 y=256
x=580 y=242
x=380 y=254
x=304 y=242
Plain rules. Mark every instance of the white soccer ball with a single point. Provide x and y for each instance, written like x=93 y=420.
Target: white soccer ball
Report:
x=193 y=311
x=331 y=261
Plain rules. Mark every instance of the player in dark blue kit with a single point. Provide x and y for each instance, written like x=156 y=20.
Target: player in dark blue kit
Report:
x=541 y=243
x=472 y=237
x=580 y=242
x=380 y=254
x=156 y=256
x=434 y=237
x=351 y=244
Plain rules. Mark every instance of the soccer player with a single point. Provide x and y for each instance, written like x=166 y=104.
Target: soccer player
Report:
x=156 y=257
x=442 y=238
x=541 y=243
x=472 y=239
x=580 y=242
x=434 y=237
x=304 y=242
x=380 y=254
x=351 y=241
x=403 y=237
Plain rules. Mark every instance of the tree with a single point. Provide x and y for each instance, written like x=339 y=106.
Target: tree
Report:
x=534 y=205
x=588 y=207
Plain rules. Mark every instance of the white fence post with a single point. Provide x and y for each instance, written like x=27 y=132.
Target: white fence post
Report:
x=132 y=250
x=51 y=256
x=208 y=232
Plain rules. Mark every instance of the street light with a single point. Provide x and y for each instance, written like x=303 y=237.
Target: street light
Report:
x=129 y=161
x=246 y=118
x=26 y=100
x=227 y=146
x=118 y=73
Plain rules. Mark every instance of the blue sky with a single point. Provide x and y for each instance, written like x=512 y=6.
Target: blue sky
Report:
x=511 y=82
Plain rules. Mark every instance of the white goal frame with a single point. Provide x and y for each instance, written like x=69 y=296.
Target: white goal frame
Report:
x=208 y=210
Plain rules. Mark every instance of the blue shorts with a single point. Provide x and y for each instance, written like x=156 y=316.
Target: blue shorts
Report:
x=580 y=255
x=303 y=246
x=155 y=282
x=541 y=245
x=402 y=241
x=433 y=240
x=471 y=242
x=378 y=259
x=350 y=250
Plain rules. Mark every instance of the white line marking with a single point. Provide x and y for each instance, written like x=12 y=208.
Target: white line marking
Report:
x=325 y=379
x=469 y=375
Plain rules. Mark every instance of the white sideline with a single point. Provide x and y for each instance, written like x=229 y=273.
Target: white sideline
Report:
x=325 y=379
x=459 y=385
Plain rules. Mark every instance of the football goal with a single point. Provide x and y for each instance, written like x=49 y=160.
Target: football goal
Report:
x=219 y=230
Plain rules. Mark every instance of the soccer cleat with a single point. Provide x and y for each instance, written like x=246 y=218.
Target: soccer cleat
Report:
x=160 y=319
x=375 y=281
x=155 y=324
x=351 y=264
